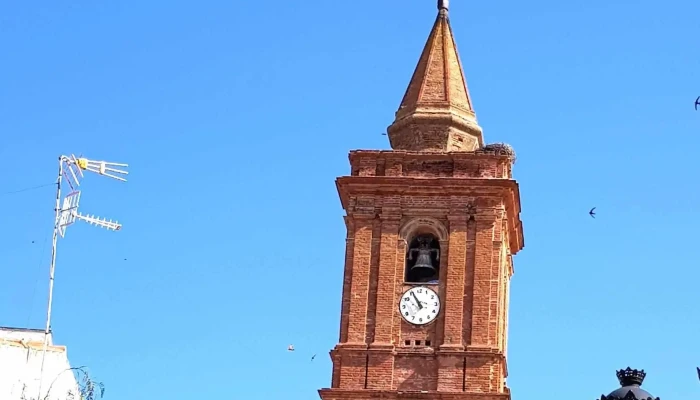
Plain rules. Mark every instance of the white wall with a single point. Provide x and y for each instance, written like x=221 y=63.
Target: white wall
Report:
x=20 y=365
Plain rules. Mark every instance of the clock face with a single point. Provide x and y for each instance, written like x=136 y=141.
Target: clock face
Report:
x=419 y=305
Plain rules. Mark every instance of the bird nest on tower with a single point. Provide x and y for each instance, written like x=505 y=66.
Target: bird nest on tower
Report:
x=503 y=149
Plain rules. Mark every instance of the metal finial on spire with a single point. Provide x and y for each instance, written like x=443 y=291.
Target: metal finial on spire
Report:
x=443 y=4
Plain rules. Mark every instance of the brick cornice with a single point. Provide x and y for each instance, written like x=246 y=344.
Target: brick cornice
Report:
x=445 y=184
x=382 y=347
x=451 y=349
x=340 y=347
x=367 y=394
x=458 y=218
x=363 y=217
x=485 y=216
x=445 y=350
x=424 y=155
x=391 y=217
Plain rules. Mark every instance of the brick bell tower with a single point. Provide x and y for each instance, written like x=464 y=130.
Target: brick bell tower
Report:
x=431 y=229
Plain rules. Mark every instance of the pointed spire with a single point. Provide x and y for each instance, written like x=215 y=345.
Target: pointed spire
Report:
x=436 y=112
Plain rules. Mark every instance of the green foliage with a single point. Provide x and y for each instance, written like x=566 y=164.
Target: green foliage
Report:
x=88 y=388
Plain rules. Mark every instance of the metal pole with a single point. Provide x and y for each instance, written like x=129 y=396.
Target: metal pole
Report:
x=51 y=271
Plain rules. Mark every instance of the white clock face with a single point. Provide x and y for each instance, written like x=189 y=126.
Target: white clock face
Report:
x=419 y=305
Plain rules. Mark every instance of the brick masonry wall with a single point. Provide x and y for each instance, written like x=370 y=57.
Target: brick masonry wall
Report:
x=377 y=349
x=461 y=164
x=420 y=134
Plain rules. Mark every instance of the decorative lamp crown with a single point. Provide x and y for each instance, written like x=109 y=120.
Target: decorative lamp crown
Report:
x=631 y=377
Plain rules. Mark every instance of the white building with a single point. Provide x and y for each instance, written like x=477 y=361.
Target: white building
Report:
x=20 y=366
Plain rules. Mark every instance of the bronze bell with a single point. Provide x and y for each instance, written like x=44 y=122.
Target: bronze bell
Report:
x=423 y=268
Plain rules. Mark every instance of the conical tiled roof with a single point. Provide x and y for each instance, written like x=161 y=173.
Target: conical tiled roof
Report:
x=436 y=111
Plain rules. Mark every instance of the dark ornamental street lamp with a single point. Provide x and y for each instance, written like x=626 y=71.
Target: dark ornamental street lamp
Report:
x=630 y=386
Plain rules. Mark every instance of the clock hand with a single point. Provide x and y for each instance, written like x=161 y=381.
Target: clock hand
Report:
x=420 y=306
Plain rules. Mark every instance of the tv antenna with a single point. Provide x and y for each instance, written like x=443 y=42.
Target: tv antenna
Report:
x=70 y=170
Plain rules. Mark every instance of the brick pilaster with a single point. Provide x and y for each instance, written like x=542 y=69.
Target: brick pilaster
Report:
x=387 y=279
x=353 y=368
x=496 y=284
x=454 y=297
x=347 y=279
x=481 y=299
x=380 y=367
x=469 y=282
x=359 y=283
x=401 y=249
x=484 y=373
x=450 y=371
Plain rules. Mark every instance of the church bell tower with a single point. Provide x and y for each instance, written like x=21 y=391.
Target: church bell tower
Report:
x=432 y=226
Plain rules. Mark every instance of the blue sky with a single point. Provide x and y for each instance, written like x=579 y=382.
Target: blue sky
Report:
x=236 y=117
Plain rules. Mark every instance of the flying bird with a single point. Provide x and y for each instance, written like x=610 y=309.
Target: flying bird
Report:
x=696 y=107
x=697 y=103
x=592 y=212
x=698 y=373
x=314 y=356
x=290 y=348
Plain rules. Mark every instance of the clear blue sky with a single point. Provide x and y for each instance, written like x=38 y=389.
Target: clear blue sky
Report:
x=236 y=117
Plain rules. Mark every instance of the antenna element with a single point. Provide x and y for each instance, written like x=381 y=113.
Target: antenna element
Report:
x=70 y=169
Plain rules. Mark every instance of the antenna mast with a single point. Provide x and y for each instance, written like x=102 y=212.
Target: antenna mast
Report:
x=70 y=168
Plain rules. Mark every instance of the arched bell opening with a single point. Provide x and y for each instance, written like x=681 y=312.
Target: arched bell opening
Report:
x=423 y=259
